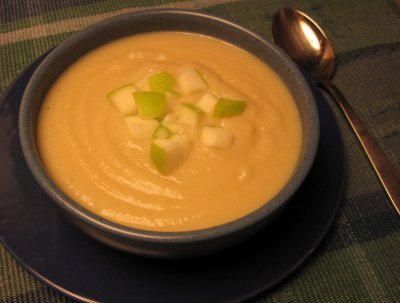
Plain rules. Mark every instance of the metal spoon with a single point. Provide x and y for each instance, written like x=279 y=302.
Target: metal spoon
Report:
x=306 y=43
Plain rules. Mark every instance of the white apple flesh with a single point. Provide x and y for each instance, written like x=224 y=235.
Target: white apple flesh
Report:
x=190 y=114
x=123 y=100
x=216 y=137
x=207 y=102
x=139 y=128
x=191 y=81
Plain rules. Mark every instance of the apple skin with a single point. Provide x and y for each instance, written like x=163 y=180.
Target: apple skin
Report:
x=162 y=82
x=166 y=155
x=228 y=107
x=150 y=104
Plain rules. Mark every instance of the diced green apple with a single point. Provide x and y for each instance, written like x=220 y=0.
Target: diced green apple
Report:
x=162 y=82
x=170 y=122
x=216 y=137
x=190 y=114
x=191 y=81
x=207 y=102
x=150 y=104
x=141 y=129
x=162 y=132
x=228 y=107
x=184 y=142
x=165 y=154
x=143 y=84
x=123 y=100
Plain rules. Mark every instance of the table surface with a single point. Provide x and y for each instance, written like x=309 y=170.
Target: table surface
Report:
x=359 y=260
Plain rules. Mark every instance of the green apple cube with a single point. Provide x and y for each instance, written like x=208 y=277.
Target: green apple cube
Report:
x=170 y=122
x=191 y=81
x=123 y=100
x=207 y=102
x=228 y=107
x=190 y=114
x=143 y=84
x=141 y=129
x=166 y=155
x=216 y=137
x=184 y=142
x=150 y=104
x=162 y=132
x=161 y=82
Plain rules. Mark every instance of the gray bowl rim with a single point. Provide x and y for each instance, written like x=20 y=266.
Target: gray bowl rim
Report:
x=76 y=210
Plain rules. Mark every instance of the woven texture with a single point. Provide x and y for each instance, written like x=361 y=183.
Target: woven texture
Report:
x=359 y=260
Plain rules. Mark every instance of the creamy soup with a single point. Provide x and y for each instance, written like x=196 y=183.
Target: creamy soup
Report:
x=89 y=151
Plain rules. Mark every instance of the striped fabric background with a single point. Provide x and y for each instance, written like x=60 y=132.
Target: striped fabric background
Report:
x=359 y=261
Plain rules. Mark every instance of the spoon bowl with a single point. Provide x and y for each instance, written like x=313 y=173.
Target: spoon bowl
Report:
x=306 y=43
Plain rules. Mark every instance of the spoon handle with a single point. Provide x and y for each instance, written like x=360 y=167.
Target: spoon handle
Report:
x=384 y=169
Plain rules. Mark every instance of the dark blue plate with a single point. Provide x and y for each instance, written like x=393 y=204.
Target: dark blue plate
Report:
x=48 y=246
